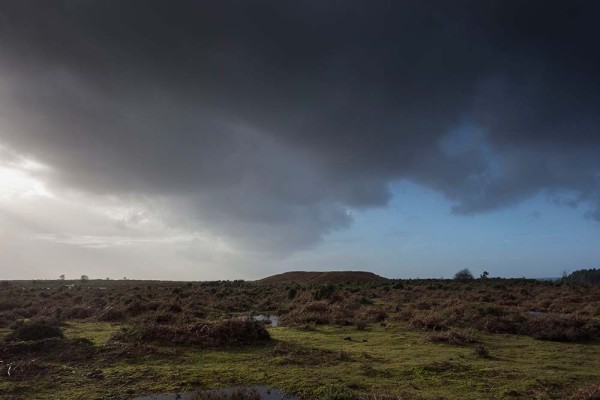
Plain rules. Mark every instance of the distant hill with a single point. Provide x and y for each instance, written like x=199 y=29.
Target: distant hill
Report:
x=316 y=277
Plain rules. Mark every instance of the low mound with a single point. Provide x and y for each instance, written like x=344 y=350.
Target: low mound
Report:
x=315 y=277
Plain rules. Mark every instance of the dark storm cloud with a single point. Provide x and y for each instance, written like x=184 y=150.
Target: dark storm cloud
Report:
x=265 y=121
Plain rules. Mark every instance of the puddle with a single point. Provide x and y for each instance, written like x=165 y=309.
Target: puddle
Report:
x=273 y=319
x=263 y=392
x=536 y=313
x=547 y=314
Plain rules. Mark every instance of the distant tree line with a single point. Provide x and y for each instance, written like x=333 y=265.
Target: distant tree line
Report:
x=591 y=276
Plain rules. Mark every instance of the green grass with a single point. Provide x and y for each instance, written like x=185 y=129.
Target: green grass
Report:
x=97 y=332
x=402 y=359
x=390 y=360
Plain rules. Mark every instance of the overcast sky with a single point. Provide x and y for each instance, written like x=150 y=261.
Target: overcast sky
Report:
x=235 y=139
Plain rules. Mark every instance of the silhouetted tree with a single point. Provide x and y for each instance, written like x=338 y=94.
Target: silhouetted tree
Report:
x=463 y=275
x=62 y=277
x=84 y=278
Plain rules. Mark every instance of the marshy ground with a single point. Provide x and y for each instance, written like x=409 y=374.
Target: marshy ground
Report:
x=379 y=339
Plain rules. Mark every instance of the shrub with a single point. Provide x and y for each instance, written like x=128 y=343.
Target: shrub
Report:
x=5 y=320
x=174 y=308
x=324 y=292
x=561 y=328
x=78 y=312
x=231 y=332
x=34 y=331
x=431 y=322
x=111 y=314
x=8 y=305
x=237 y=331
x=135 y=308
x=164 y=318
x=317 y=306
x=292 y=293
x=490 y=310
x=320 y=313
x=364 y=301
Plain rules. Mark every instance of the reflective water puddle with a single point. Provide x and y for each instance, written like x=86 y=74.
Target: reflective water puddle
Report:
x=273 y=319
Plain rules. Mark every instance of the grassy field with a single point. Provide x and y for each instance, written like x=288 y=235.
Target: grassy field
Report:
x=384 y=349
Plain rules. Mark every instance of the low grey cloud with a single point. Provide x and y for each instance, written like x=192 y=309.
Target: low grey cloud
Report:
x=264 y=122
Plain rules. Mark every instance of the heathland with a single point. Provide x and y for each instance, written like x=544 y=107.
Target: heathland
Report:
x=339 y=336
